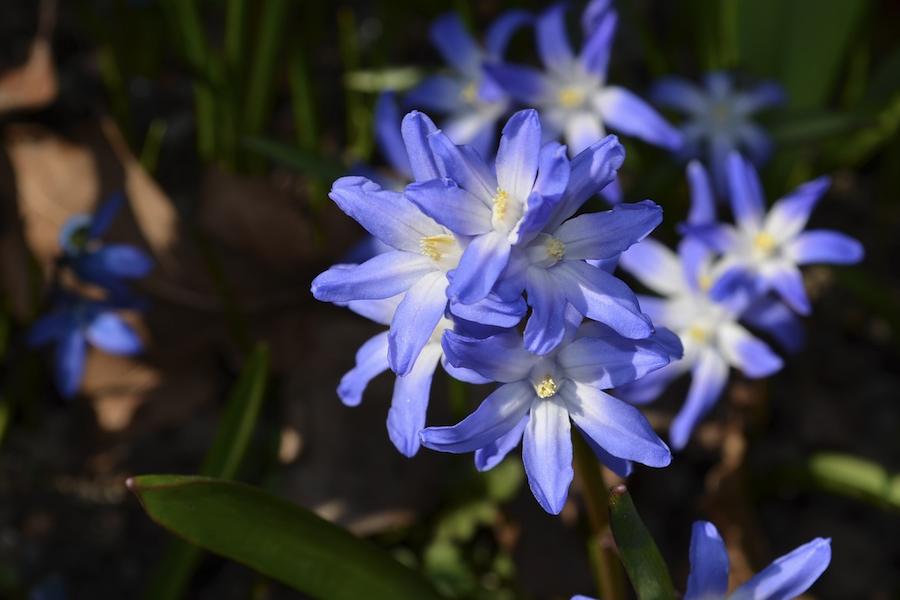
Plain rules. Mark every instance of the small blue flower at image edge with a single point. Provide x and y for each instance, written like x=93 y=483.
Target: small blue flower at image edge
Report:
x=786 y=578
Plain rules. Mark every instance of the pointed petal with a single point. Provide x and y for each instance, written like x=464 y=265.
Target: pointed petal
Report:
x=480 y=267
x=546 y=325
x=455 y=43
x=606 y=234
x=582 y=129
x=762 y=96
x=629 y=114
x=611 y=361
x=111 y=334
x=824 y=246
x=406 y=417
x=500 y=412
x=117 y=260
x=619 y=466
x=755 y=142
x=789 y=215
x=591 y=171
x=416 y=129
x=502 y=29
x=500 y=357
x=552 y=179
x=709 y=375
x=527 y=85
x=680 y=94
x=104 y=215
x=749 y=354
x=547 y=453
x=518 y=154
x=467 y=169
x=777 y=321
x=380 y=310
x=48 y=327
x=709 y=564
x=490 y=456
x=381 y=276
x=597 y=47
x=385 y=214
x=790 y=575
x=655 y=266
x=703 y=201
x=617 y=427
x=552 y=40
x=451 y=206
x=68 y=362
x=747 y=202
x=387 y=133
x=371 y=360
x=602 y=297
x=649 y=387
x=786 y=280
x=414 y=322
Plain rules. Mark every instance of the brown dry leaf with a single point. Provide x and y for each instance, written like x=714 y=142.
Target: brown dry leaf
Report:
x=35 y=84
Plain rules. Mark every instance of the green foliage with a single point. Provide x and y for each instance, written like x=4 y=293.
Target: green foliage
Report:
x=276 y=538
x=643 y=562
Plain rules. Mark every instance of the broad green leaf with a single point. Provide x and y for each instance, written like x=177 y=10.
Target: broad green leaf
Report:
x=233 y=436
x=643 y=562
x=811 y=126
x=293 y=158
x=885 y=80
x=276 y=538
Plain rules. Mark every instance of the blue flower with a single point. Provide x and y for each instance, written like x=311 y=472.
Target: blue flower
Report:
x=539 y=395
x=572 y=95
x=765 y=250
x=73 y=324
x=786 y=578
x=471 y=99
x=718 y=118
x=106 y=265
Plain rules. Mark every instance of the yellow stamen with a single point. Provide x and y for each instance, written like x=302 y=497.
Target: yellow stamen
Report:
x=698 y=334
x=556 y=249
x=546 y=388
x=704 y=282
x=433 y=247
x=571 y=97
x=500 y=201
x=764 y=241
x=468 y=93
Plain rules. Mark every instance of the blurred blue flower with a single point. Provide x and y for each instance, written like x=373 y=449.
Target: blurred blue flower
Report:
x=764 y=251
x=572 y=95
x=73 y=324
x=106 y=265
x=469 y=97
x=718 y=119
x=539 y=395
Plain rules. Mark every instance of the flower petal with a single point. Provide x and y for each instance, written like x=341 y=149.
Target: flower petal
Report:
x=790 y=575
x=416 y=129
x=611 y=361
x=552 y=40
x=595 y=52
x=371 y=360
x=117 y=260
x=617 y=427
x=450 y=205
x=381 y=276
x=414 y=322
x=501 y=357
x=111 y=334
x=703 y=201
x=606 y=234
x=786 y=280
x=490 y=456
x=680 y=94
x=582 y=129
x=749 y=354
x=518 y=154
x=456 y=45
x=527 y=85
x=104 y=214
x=480 y=266
x=502 y=29
x=467 y=169
x=629 y=114
x=777 y=321
x=762 y=96
x=547 y=453
x=49 y=327
x=655 y=266
x=406 y=417
x=499 y=414
x=387 y=133
x=824 y=246
x=709 y=564
x=546 y=325
x=68 y=361
x=709 y=375
x=747 y=201
x=790 y=214
x=619 y=466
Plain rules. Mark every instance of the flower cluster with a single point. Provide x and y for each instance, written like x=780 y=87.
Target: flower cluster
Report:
x=477 y=248
x=723 y=274
x=78 y=320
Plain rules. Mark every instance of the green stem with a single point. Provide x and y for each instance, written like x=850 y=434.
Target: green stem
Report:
x=607 y=569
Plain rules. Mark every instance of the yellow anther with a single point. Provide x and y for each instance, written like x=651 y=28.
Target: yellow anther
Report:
x=500 y=201
x=434 y=247
x=571 y=97
x=546 y=388
x=698 y=334
x=468 y=93
x=556 y=249
x=704 y=282
x=764 y=241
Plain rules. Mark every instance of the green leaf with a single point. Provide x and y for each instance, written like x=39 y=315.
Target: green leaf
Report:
x=817 y=125
x=179 y=559
x=643 y=562
x=276 y=538
x=849 y=476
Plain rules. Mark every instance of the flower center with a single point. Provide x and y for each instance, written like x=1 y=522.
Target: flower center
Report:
x=468 y=93
x=704 y=282
x=570 y=97
x=764 y=241
x=721 y=113
x=546 y=388
x=556 y=249
x=436 y=246
x=698 y=334
x=500 y=201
